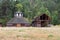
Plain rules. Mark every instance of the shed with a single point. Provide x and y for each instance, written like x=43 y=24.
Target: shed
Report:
x=41 y=21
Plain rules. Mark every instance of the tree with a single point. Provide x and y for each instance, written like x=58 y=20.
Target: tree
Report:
x=55 y=18
x=19 y=7
x=30 y=9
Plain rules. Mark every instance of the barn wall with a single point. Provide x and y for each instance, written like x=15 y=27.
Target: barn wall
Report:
x=41 y=22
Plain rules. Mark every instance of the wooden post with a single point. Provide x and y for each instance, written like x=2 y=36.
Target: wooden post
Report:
x=40 y=23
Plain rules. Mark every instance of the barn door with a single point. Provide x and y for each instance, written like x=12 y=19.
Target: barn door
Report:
x=38 y=25
x=18 y=25
x=43 y=23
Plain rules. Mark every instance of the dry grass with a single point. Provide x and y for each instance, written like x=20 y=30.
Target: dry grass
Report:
x=30 y=33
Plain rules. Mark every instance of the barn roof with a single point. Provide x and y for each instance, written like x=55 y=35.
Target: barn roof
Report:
x=16 y=20
x=41 y=15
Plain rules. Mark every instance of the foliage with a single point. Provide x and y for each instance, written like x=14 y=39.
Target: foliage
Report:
x=19 y=7
x=30 y=9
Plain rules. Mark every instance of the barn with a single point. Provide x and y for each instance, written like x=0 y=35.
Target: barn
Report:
x=18 y=20
x=41 y=21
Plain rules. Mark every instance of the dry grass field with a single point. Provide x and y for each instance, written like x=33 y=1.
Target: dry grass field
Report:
x=29 y=33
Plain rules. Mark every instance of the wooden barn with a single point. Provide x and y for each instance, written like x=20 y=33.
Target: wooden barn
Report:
x=18 y=20
x=41 y=21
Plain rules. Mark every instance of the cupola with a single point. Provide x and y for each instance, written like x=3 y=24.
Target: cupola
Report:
x=18 y=14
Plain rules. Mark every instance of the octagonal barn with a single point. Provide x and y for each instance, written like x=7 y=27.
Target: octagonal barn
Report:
x=18 y=20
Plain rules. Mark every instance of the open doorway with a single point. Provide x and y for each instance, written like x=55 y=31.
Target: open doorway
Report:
x=44 y=20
